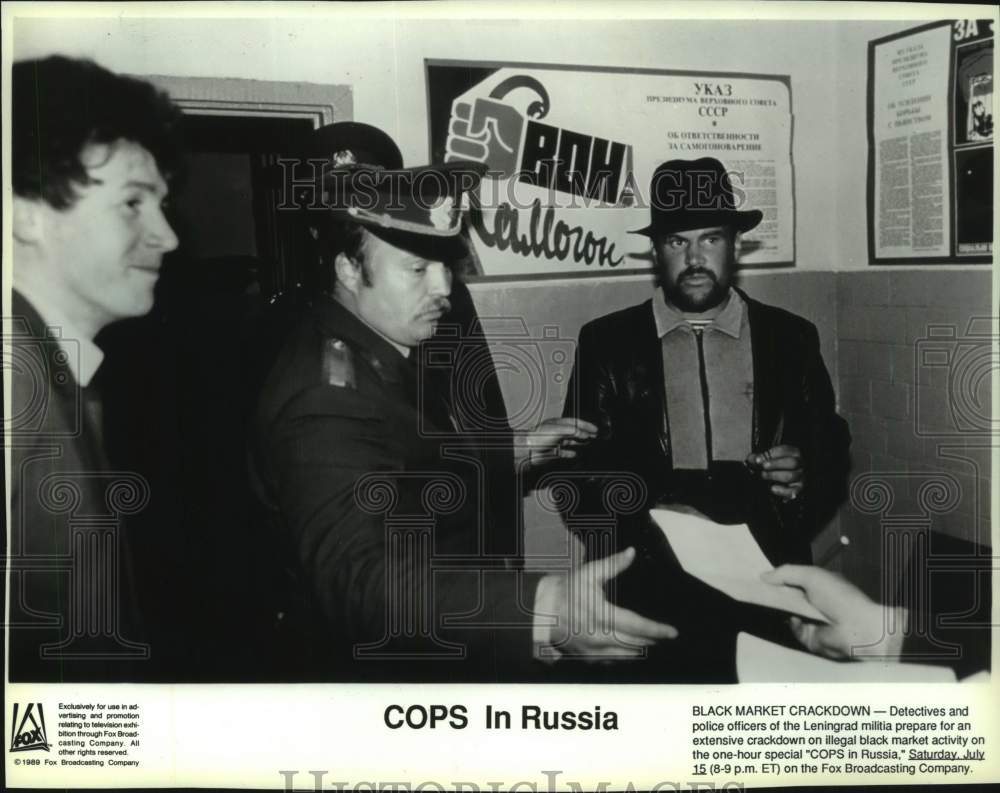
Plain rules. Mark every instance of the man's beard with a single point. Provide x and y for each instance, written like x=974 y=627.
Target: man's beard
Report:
x=695 y=304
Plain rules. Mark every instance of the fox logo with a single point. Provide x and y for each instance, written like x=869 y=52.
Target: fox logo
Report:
x=28 y=733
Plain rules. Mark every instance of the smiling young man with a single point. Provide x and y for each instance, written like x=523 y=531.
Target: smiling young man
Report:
x=716 y=401
x=91 y=154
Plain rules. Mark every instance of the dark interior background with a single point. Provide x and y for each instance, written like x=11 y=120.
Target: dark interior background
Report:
x=179 y=386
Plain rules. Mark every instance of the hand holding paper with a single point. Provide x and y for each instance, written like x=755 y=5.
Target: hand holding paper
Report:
x=729 y=559
x=857 y=626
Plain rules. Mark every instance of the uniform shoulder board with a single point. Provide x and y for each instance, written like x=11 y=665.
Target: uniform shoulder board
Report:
x=338 y=364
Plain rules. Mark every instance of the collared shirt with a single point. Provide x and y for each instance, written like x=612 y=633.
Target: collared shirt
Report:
x=401 y=348
x=83 y=357
x=728 y=366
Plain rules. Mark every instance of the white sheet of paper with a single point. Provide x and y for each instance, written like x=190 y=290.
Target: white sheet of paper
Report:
x=729 y=559
x=761 y=661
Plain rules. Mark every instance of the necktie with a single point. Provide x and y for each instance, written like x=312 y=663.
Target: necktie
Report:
x=698 y=335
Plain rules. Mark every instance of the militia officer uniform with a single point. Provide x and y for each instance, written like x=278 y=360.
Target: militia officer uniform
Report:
x=377 y=497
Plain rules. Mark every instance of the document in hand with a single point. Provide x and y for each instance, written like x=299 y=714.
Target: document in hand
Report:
x=761 y=661
x=729 y=559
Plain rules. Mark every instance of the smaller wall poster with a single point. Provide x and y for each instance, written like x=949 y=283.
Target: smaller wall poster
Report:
x=930 y=144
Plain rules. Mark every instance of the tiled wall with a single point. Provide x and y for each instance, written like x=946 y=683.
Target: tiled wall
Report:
x=914 y=384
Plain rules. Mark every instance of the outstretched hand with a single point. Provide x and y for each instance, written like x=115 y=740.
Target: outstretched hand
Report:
x=587 y=625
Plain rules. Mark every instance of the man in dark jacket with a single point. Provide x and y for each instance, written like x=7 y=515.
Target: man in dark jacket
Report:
x=715 y=401
x=380 y=493
x=91 y=152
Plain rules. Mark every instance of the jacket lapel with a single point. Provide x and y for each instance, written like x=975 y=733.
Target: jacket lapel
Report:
x=766 y=378
x=650 y=391
x=72 y=414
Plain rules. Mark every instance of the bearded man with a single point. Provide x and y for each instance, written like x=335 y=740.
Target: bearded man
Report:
x=717 y=402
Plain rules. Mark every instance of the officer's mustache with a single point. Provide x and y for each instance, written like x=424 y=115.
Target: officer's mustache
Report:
x=441 y=304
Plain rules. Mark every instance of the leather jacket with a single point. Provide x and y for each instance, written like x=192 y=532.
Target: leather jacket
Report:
x=617 y=383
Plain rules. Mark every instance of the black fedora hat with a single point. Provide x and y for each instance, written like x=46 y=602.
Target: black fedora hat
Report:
x=694 y=194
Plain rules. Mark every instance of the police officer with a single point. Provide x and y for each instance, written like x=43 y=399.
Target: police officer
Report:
x=376 y=492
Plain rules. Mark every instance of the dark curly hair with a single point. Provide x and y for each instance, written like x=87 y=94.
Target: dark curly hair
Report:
x=60 y=105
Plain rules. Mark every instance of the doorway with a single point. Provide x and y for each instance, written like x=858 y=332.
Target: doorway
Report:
x=180 y=384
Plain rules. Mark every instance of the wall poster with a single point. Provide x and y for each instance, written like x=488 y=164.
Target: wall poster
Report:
x=569 y=178
x=930 y=145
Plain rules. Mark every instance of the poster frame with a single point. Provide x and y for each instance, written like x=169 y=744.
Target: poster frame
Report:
x=951 y=192
x=783 y=79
